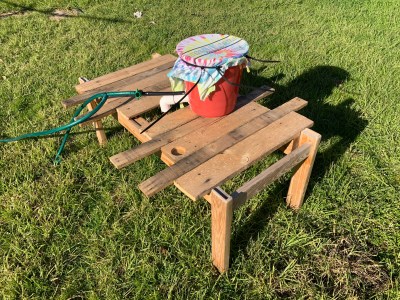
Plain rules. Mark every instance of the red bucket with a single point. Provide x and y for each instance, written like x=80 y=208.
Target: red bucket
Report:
x=220 y=102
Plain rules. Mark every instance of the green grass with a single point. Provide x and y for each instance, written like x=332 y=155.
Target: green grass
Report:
x=84 y=230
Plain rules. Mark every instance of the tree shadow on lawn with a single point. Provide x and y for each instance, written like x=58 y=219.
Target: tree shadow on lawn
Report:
x=58 y=14
x=339 y=125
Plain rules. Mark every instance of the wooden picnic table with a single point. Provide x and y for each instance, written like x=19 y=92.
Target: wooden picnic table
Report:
x=203 y=153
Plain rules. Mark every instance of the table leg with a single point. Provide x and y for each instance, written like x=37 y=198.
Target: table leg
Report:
x=301 y=176
x=98 y=125
x=221 y=221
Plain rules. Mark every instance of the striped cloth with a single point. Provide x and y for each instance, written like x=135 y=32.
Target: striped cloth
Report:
x=208 y=50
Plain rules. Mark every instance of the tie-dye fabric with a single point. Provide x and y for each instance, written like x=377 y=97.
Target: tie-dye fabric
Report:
x=208 y=50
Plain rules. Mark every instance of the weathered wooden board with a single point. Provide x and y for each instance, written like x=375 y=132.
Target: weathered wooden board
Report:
x=166 y=177
x=184 y=118
x=145 y=104
x=221 y=221
x=171 y=121
x=98 y=125
x=137 y=107
x=282 y=166
x=138 y=81
x=144 y=68
x=186 y=145
x=239 y=157
x=135 y=126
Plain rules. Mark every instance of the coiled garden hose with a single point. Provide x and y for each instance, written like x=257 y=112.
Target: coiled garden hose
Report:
x=73 y=122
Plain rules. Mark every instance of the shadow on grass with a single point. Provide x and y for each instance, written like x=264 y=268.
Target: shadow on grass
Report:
x=338 y=124
x=53 y=13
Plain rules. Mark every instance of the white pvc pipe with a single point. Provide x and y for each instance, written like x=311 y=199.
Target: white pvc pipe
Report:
x=167 y=101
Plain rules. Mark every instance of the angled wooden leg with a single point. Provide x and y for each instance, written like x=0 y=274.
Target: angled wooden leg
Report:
x=221 y=221
x=301 y=176
x=98 y=125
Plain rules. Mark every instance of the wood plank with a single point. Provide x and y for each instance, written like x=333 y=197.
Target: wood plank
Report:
x=255 y=95
x=132 y=108
x=174 y=152
x=98 y=125
x=166 y=177
x=128 y=83
x=282 y=166
x=240 y=156
x=137 y=107
x=221 y=223
x=135 y=126
x=172 y=121
x=200 y=138
x=287 y=148
x=300 y=178
x=126 y=72
x=145 y=104
x=128 y=157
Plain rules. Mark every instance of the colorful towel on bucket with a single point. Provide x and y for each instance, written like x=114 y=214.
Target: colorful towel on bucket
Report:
x=209 y=51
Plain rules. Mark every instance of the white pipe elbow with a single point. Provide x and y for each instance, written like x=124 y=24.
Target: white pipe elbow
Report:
x=167 y=101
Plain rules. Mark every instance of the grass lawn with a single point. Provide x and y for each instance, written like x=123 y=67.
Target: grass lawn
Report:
x=82 y=230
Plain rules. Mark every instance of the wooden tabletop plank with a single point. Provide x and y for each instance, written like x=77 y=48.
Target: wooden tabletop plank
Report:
x=124 y=73
x=255 y=95
x=128 y=157
x=200 y=138
x=239 y=157
x=136 y=107
x=244 y=112
x=172 y=121
x=167 y=176
x=146 y=103
x=135 y=126
x=128 y=83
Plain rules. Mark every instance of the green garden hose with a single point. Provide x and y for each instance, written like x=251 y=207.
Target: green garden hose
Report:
x=67 y=128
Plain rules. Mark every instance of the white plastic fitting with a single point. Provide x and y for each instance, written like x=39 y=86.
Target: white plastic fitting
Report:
x=167 y=101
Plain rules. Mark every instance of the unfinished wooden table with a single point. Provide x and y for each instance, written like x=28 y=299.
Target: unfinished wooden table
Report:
x=203 y=153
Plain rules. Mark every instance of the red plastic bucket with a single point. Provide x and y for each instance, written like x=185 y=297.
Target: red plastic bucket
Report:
x=220 y=102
